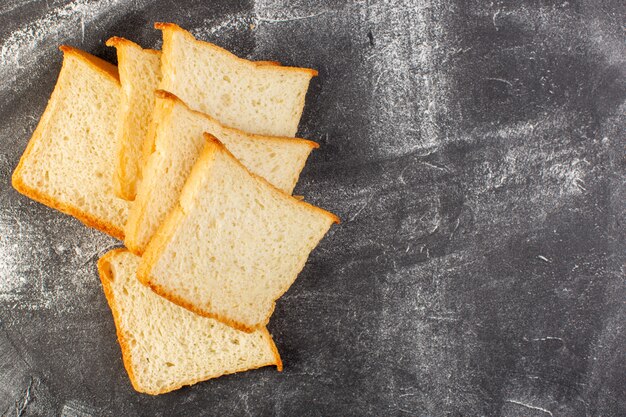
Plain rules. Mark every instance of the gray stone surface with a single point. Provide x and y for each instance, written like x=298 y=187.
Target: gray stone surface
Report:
x=473 y=149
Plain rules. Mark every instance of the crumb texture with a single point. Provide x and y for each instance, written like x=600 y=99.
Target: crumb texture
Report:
x=167 y=346
x=240 y=243
x=264 y=99
x=72 y=155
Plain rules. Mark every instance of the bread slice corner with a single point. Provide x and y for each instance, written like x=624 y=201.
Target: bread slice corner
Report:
x=234 y=243
x=165 y=347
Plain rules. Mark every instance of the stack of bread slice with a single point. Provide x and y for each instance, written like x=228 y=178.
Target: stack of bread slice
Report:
x=188 y=155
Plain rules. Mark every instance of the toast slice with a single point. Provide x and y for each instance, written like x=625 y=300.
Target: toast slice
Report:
x=174 y=144
x=233 y=245
x=140 y=74
x=164 y=346
x=68 y=163
x=251 y=96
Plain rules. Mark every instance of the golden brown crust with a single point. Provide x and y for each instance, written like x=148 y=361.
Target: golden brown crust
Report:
x=277 y=358
x=275 y=63
x=121 y=186
x=106 y=276
x=118 y=42
x=86 y=218
x=166 y=95
x=174 y=27
x=101 y=65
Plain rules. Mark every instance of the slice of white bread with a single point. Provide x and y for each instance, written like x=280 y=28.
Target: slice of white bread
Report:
x=68 y=163
x=175 y=143
x=140 y=74
x=233 y=245
x=251 y=96
x=164 y=346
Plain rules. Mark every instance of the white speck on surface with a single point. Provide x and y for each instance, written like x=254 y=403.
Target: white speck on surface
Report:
x=34 y=43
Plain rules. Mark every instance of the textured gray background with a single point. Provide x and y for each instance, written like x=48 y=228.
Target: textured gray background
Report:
x=474 y=150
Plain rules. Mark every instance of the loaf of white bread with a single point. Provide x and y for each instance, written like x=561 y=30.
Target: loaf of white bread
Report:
x=210 y=161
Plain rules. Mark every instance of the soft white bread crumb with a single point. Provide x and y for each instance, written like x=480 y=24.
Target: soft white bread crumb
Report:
x=174 y=144
x=164 y=346
x=140 y=74
x=68 y=163
x=251 y=96
x=233 y=245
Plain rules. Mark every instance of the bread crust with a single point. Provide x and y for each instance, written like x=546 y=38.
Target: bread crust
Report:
x=119 y=42
x=18 y=182
x=104 y=271
x=164 y=233
x=163 y=26
x=276 y=63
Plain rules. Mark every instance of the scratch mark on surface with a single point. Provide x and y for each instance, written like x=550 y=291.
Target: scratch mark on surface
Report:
x=543 y=339
x=288 y=19
x=502 y=80
x=365 y=204
x=435 y=166
x=531 y=407
x=543 y=258
x=440 y=318
x=495 y=15
x=82 y=26
x=20 y=406
x=456 y=227
x=580 y=184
